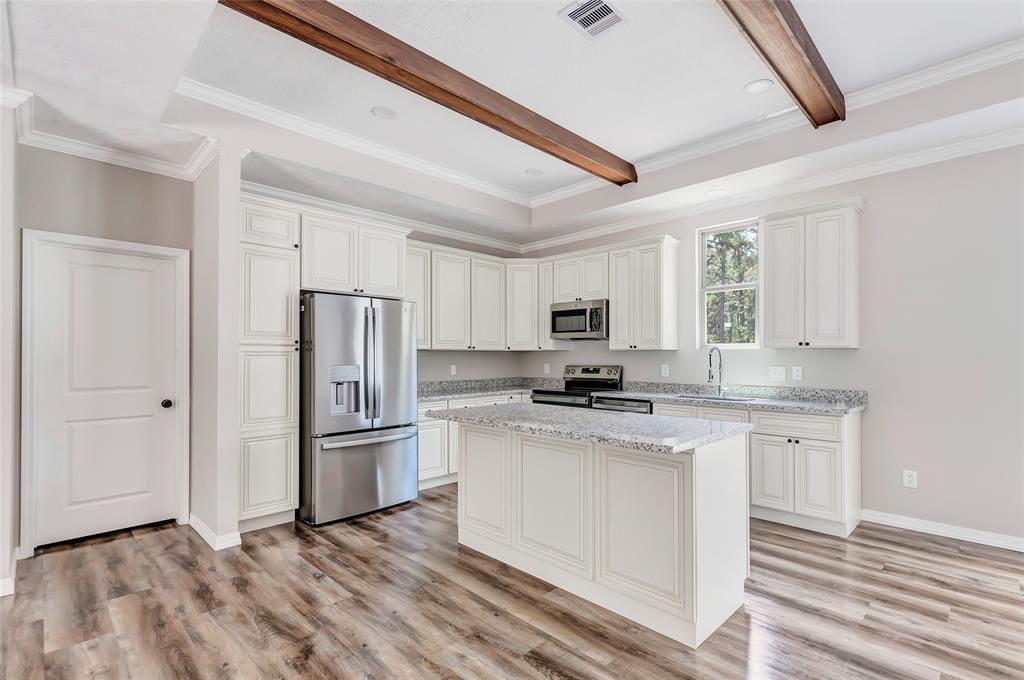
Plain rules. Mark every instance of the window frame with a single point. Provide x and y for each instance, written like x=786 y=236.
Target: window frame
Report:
x=702 y=289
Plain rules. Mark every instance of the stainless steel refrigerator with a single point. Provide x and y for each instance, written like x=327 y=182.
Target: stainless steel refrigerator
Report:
x=357 y=405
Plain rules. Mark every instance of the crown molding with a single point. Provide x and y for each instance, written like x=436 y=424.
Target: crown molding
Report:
x=376 y=218
x=915 y=159
x=792 y=117
x=12 y=97
x=208 y=94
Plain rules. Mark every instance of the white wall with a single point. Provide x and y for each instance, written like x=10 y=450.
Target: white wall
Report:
x=942 y=327
x=9 y=357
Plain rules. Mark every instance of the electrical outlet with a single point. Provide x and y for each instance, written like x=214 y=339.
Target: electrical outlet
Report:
x=796 y=372
x=776 y=373
x=453 y=369
x=910 y=479
x=664 y=370
x=547 y=368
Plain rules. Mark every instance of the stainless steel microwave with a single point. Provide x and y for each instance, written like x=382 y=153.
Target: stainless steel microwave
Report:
x=583 y=320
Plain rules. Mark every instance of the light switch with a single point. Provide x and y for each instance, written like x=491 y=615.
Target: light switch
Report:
x=453 y=369
x=664 y=370
x=777 y=373
x=796 y=372
x=547 y=368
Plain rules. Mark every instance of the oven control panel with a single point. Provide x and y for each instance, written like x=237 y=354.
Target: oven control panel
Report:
x=592 y=372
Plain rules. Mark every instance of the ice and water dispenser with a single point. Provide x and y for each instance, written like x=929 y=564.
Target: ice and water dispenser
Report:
x=345 y=390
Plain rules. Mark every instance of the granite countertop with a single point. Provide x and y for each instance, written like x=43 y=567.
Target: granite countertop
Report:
x=653 y=434
x=472 y=393
x=824 y=407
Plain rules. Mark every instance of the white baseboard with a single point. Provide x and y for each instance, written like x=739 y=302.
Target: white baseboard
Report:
x=946 y=530
x=7 y=584
x=272 y=520
x=216 y=542
x=23 y=553
x=438 y=481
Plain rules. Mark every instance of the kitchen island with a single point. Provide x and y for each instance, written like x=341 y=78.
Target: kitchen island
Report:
x=644 y=515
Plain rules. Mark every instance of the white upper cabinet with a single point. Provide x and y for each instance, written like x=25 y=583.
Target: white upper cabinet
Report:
x=642 y=297
x=343 y=257
x=449 y=301
x=270 y=295
x=521 y=314
x=417 y=290
x=811 y=278
x=269 y=225
x=545 y=297
x=581 y=277
x=487 y=319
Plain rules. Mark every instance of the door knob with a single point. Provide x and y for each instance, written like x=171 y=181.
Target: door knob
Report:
x=167 y=403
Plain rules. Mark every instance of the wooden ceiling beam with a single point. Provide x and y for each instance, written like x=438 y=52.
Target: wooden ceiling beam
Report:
x=337 y=32
x=776 y=32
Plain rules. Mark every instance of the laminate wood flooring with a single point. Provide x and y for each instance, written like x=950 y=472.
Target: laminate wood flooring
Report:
x=392 y=595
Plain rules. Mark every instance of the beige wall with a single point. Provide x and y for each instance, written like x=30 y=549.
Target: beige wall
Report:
x=942 y=328
x=436 y=365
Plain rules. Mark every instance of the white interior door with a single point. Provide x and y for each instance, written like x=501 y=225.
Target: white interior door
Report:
x=105 y=403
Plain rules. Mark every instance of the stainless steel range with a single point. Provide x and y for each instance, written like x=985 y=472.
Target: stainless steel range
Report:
x=579 y=383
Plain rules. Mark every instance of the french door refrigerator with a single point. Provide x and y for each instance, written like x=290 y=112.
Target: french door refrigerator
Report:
x=358 y=406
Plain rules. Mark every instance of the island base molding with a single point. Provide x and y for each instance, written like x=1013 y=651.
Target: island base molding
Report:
x=842 y=529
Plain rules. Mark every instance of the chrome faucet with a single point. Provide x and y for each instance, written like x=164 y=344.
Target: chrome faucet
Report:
x=711 y=373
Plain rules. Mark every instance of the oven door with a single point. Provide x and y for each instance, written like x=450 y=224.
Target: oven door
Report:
x=561 y=399
x=585 y=320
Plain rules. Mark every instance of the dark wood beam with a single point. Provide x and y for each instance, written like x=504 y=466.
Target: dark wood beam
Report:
x=774 y=29
x=335 y=31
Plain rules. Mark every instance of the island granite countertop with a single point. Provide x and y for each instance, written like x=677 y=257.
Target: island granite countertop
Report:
x=653 y=434
x=823 y=407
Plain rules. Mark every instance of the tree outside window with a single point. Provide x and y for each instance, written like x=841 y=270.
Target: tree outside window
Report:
x=729 y=286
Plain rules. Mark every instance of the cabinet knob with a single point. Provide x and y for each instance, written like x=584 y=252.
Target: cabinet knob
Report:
x=796 y=441
x=295 y=245
x=790 y=441
x=807 y=344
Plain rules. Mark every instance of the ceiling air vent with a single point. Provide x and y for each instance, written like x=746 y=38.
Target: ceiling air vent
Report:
x=592 y=17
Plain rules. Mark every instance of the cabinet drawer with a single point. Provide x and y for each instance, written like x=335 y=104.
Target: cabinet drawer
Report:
x=425 y=406
x=731 y=415
x=798 y=425
x=678 y=410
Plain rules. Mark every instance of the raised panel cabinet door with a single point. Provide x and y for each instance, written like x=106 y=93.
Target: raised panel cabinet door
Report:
x=270 y=387
x=449 y=301
x=566 y=279
x=270 y=481
x=381 y=263
x=270 y=296
x=620 y=299
x=647 y=298
x=771 y=472
x=784 y=282
x=594 y=276
x=521 y=312
x=545 y=297
x=487 y=318
x=828 y=280
x=269 y=226
x=329 y=250
x=417 y=290
x=484 y=493
x=644 y=520
x=453 y=447
x=433 y=449
x=818 y=479
x=553 y=506
x=677 y=410
x=729 y=415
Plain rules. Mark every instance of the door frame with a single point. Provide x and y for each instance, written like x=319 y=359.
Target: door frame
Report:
x=32 y=239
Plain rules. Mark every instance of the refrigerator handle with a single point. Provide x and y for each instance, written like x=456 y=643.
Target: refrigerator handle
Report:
x=377 y=360
x=367 y=373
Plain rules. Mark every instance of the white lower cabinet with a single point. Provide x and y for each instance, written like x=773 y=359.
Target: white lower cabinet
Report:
x=433 y=449
x=269 y=474
x=818 y=477
x=484 y=491
x=678 y=410
x=771 y=472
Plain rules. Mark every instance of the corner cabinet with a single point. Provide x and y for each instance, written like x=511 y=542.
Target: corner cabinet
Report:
x=642 y=297
x=342 y=256
x=811 y=278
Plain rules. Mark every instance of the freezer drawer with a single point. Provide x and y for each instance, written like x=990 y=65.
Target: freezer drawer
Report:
x=350 y=474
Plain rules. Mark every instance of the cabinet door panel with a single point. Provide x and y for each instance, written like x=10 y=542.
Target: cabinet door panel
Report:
x=546 y=296
x=731 y=415
x=621 y=279
x=594 y=276
x=818 y=487
x=270 y=387
x=553 y=503
x=270 y=295
x=488 y=312
x=484 y=494
x=417 y=290
x=269 y=474
x=647 y=300
x=784 y=282
x=450 y=301
x=381 y=263
x=329 y=255
x=567 y=279
x=522 y=296
x=771 y=472
x=678 y=410
x=269 y=226
x=433 y=449
x=827 y=280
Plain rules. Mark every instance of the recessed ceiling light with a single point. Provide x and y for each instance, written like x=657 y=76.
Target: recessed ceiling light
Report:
x=715 y=193
x=534 y=172
x=384 y=113
x=756 y=86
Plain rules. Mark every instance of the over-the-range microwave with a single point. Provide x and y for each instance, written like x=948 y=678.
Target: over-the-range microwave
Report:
x=581 y=320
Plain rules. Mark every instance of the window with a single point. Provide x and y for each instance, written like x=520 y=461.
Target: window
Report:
x=728 y=286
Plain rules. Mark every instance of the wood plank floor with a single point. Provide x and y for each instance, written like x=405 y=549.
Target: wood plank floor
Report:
x=391 y=595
